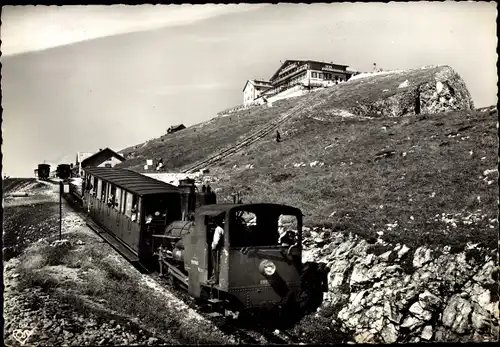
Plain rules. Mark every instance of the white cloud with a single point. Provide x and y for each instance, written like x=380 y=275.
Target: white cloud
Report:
x=30 y=28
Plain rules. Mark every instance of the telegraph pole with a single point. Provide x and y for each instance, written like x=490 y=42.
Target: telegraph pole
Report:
x=60 y=209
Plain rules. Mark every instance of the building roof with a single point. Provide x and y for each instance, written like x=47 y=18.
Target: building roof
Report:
x=258 y=84
x=81 y=156
x=177 y=127
x=95 y=157
x=132 y=181
x=302 y=61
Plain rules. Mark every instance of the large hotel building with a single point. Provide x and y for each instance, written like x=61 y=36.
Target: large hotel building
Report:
x=307 y=73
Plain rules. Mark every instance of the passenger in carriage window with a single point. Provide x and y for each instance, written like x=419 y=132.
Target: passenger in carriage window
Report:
x=111 y=200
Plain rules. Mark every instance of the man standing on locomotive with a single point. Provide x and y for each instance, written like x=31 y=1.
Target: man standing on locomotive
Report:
x=217 y=243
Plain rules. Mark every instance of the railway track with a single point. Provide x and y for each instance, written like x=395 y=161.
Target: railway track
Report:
x=229 y=326
x=254 y=335
x=259 y=134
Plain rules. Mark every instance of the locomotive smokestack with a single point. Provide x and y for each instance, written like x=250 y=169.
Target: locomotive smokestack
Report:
x=187 y=197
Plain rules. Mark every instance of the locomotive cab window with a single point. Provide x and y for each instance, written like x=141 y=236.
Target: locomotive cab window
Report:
x=287 y=230
x=262 y=229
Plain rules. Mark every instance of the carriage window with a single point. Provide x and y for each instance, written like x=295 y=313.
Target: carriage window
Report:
x=118 y=197
x=99 y=189
x=95 y=184
x=131 y=210
x=138 y=209
x=128 y=204
x=103 y=191
x=124 y=198
x=155 y=210
x=110 y=186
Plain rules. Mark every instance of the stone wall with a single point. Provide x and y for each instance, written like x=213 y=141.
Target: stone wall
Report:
x=404 y=294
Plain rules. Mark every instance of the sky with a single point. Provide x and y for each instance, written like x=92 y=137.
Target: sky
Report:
x=80 y=78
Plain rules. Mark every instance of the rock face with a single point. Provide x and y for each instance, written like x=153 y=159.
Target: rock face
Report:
x=376 y=298
x=413 y=92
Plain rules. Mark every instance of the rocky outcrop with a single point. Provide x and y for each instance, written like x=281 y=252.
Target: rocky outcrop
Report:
x=413 y=92
x=404 y=294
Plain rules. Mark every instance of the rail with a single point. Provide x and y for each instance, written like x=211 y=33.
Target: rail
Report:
x=255 y=136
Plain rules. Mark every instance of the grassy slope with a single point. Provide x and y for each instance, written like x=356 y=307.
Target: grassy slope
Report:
x=438 y=175
x=197 y=142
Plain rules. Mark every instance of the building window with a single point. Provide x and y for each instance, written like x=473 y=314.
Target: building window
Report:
x=314 y=74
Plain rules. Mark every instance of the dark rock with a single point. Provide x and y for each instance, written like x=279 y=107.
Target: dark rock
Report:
x=152 y=340
x=425 y=91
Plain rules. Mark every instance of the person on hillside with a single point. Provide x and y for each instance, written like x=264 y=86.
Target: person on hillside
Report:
x=159 y=166
x=278 y=136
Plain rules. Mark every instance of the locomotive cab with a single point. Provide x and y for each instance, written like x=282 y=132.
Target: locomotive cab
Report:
x=260 y=257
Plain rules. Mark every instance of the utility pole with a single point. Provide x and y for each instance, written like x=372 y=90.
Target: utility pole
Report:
x=60 y=209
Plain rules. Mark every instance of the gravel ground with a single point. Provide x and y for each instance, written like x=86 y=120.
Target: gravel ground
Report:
x=64 y=293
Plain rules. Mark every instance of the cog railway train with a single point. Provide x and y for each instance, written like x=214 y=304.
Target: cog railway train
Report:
x=258 y=266
x=63 y=171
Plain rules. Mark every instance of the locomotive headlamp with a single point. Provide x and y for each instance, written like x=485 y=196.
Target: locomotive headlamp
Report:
x=267 y=268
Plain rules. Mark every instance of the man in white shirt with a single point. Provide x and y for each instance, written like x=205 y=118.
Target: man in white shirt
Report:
x=217 y=243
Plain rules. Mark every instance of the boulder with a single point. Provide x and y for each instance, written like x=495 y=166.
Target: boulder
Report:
x=429 y=301
x=485 y=274
x=480 y=318
x=418 y=311
x=385 y=256
x=359 y=274
x=422 y=256
x=391 y=312
x=389 y=333
x=456 y=315
x=411 y=323
x=427 y=333
x=403 y=251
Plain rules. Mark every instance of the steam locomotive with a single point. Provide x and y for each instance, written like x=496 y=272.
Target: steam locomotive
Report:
x=43 y=171
x=167 y=228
